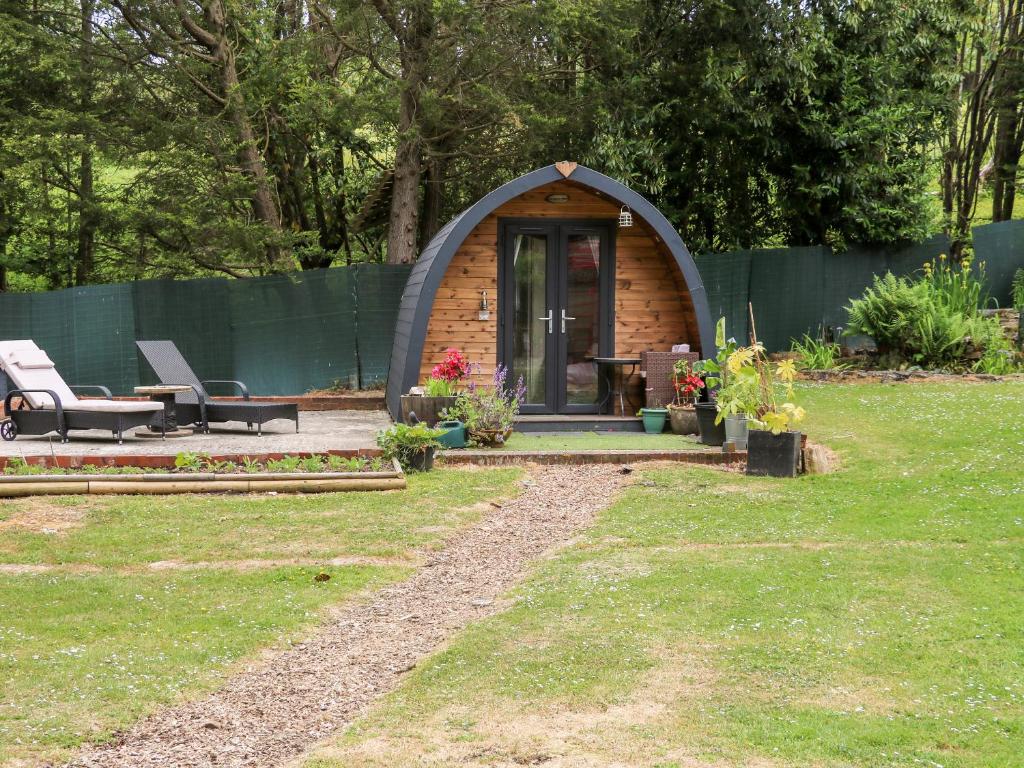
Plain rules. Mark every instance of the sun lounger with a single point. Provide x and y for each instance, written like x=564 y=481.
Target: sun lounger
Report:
x=198 y=407
x=47 y=404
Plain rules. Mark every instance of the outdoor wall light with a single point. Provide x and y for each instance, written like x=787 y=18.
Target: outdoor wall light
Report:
x=625 y=217
x=557 y=197
x=485 y=310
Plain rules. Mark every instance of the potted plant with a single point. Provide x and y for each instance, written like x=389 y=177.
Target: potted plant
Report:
x=489 y=413
x=715 y=373
x=682 y=414
x=654 y=416
x=737 y=396
x=413 y=445
x=773 y=447
x=439 y=391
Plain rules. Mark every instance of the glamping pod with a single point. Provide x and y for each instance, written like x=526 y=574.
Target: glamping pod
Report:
x=544 y=274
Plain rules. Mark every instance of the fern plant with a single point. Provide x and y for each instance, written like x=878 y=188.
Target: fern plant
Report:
x=939 y=338
x=887 y=313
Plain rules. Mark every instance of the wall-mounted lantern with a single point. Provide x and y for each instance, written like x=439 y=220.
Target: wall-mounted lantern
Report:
x=625 y=217
x=485 y=310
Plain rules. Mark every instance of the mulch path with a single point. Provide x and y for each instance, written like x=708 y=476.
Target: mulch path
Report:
x=280 y=707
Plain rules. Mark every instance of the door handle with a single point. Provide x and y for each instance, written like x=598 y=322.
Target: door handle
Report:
x=564 y=318
x=549 y=319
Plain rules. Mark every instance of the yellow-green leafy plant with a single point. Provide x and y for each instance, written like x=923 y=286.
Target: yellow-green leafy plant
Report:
x=761 y=389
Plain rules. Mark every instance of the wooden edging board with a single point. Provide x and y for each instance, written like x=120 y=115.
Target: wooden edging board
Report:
x=201 y=482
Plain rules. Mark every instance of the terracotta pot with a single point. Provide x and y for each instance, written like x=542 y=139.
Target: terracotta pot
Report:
x=683 y=419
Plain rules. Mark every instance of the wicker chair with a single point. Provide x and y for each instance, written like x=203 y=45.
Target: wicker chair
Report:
x=657 y=367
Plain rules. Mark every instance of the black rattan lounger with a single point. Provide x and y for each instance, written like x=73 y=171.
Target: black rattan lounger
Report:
x=48 y=404
x=197 y=407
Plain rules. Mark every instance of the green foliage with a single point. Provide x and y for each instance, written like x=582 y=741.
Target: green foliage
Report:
x=999 y=356
x=187 y=461
x=816 y=354
x=337 y=463
x=886 y=312
x=439 y=388
x=933 y=321
x=313 y=464
x=16 y=465
x=403 y=442
x=285 y=464
x=938 y=336
x=748 y=123
x=1017 y=289
x=249 y=464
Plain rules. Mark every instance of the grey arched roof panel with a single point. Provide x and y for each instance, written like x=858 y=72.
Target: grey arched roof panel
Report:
x=428 y=272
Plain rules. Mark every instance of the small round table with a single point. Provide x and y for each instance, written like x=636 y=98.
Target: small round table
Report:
x=164 y=393
x=610 y=364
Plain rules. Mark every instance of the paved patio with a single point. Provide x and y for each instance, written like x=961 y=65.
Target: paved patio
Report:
x=319 y=431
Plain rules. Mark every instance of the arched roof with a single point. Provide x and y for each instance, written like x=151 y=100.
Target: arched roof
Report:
x=428 y=272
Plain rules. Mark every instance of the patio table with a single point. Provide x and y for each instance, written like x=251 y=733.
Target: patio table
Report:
x=611 y=365
x=164 y=393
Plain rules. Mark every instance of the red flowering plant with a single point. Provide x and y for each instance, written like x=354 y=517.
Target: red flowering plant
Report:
x=688 y=384
x=446 y=375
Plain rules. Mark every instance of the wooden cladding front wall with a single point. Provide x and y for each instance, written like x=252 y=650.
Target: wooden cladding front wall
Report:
x=652 y=306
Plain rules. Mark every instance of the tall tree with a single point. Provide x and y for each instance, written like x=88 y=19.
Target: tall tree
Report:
x=984 y=109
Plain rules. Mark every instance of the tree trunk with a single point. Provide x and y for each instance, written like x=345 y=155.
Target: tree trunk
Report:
x=5 y=234
x=264 y=204
x=433 y=199
x=85 y=256
x=403 y=222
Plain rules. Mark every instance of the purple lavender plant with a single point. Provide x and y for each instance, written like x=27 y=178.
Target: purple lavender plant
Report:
x=493 y=410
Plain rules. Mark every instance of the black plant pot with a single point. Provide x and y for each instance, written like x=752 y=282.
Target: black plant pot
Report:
x=422 y=461
x=710 y=433
x=771 y=455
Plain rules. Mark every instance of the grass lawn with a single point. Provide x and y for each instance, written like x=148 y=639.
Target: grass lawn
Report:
x=873 y=617
x=97 y=637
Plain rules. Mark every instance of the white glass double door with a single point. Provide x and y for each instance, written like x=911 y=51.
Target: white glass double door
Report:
x=556 y=285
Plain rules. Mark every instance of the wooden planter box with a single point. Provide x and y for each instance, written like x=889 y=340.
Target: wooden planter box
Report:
x=427 y=409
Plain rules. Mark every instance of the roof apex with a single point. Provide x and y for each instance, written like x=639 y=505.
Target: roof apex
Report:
x=565 y=167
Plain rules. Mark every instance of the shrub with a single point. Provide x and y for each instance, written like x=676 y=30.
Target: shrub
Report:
x=887 y=312
x=934 y=321
x=998 y=354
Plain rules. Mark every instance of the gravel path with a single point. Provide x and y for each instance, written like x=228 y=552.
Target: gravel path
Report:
x=279 y=707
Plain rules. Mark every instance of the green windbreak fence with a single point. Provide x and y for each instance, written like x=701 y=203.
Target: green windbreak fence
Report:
x=801 y=290
x=285 y=334
x=288 y=334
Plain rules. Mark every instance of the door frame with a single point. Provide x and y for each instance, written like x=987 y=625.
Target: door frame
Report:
x=557 y=231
